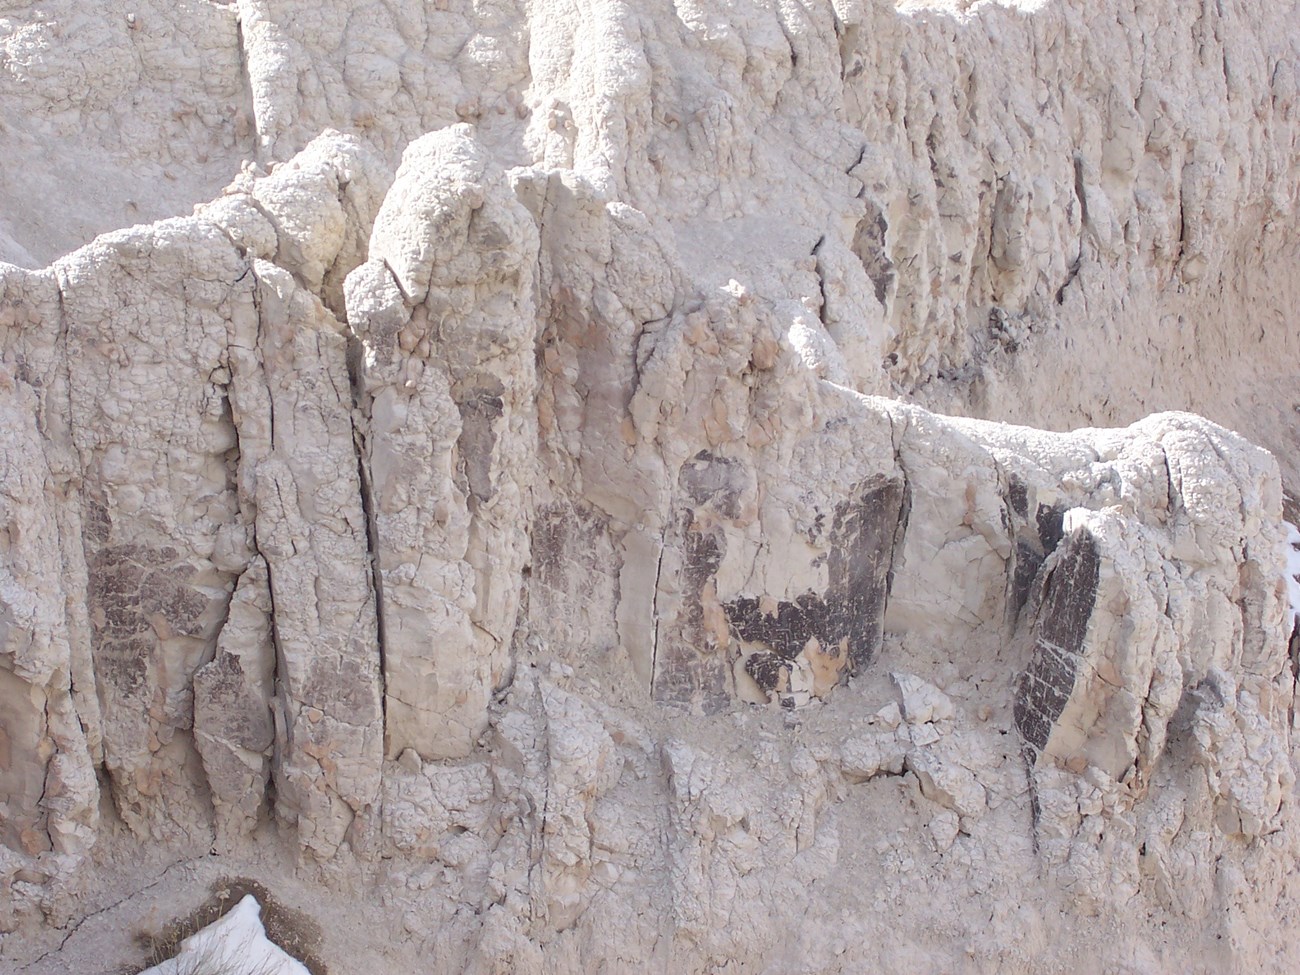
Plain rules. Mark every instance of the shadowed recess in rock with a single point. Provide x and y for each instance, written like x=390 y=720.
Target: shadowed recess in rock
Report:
x=1035 y=540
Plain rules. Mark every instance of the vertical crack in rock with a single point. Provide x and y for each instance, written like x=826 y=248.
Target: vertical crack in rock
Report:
x=280 y=677
x=820 y=271
x=1060 y=630
x=95 y=528
x=259 y=338
x=1182 y=228
x=1025 y=561
x=316 y=609
x=450 y=380
x=86 y=697
x=282 y=743
x=643 y=347
x=654 y=617
x=355 y=350
x=233 y=689
x=905 y=509
x=1081 y=195
x=234 y=725
x=247 y=79
x=1171 y=492
x=1293 y=653
x=60 y=351
x=862 y=154
x=41 y=810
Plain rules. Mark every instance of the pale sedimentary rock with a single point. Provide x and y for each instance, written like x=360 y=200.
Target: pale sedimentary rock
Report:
x=233 y=725
x=47 y=780
x=291 y=405
x=445 y=318
x=487 y=506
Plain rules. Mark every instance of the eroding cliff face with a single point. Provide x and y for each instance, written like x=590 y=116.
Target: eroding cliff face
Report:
x=483 y=522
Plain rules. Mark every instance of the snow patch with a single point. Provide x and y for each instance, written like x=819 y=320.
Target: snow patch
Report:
x=234 y=944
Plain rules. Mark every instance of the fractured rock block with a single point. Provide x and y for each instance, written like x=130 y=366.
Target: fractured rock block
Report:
x=919 y=701
x=233 y=727
x=826 y=639
x=300 y=476
x=444 y=310
x=1062 y=628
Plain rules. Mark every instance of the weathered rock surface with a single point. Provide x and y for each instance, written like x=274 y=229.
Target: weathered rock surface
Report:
x=484 y=522
x=444 y=312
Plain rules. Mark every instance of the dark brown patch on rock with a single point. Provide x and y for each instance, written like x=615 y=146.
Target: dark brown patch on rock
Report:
x=715 y=481
x=770 y=672
x=340 y=686
x=1033 y=538
x=231 y=704
x=1060 y=629
x=96 y=521
x=1050 y=519
x=134 y=589
x=1029 y=559
x=866 y=535
x=1018 y=496
x=690 y=667
x=1290 y=505
x=785 y=631
x=124 y=663
x=690 y=664
x=866 y=532
x=564 y=536
x=574 y=563
x=163 y=593
x=140 y=596
x=1293 y=652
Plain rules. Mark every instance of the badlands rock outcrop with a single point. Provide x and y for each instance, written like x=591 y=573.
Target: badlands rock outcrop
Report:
x=592 y=492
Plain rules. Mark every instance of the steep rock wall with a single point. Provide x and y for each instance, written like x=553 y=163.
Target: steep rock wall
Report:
x=479 y=548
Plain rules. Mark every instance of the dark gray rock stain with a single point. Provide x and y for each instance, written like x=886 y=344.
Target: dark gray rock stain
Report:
x=1050 y=521
x=573 y=558
x=231 y=704
x=1034 y=540
x=846 y=622
x=716 y=481
x=1060 y=629
x=137 y=593
x=690 y=668
x=870 y=246
x=97 y=524
x=480 y=409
